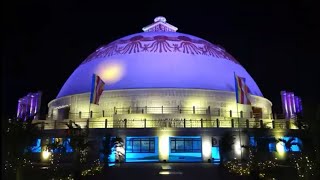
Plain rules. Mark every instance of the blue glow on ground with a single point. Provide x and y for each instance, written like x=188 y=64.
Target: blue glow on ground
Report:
x=215 y=155
x=142 y=157
x=185 y=157
x=111 y=164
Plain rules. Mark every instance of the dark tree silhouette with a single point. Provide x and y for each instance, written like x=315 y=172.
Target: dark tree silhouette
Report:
x=106 y=150
x=258 y=151
x=225 y=145
x=80 y=144
x=19 y=136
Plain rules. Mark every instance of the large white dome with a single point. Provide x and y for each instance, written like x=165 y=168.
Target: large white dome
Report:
x=159 y=58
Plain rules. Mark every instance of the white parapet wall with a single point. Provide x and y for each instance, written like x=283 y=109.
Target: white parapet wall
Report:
x=220 y=102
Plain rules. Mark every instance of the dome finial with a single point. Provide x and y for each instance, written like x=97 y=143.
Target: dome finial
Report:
x=160 y=24
x=160 y=18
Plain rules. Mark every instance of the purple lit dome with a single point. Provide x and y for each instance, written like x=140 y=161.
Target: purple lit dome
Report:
x=159 y=57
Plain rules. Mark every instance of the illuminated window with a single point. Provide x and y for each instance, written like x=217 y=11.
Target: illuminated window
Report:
x=178 y=145
x=140 y=145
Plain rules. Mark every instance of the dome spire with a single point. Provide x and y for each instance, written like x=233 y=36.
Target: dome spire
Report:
x=160 y=24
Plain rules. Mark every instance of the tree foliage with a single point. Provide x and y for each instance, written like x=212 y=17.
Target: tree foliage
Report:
x=80 y=145
x=225 y=145
x=19 y=136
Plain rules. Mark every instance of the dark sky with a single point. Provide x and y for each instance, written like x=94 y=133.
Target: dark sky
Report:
x=44 y=41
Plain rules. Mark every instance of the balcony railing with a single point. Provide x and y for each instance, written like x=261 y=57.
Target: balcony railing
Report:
x=166 y=110
x=170 y=123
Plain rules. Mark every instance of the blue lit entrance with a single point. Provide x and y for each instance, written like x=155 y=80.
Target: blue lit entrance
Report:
x=185 y=149
x=142 y=149
x=215 y=151
x=215 y=155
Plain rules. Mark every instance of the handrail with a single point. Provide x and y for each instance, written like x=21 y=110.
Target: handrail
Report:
x=171 y=123
x=168 y=110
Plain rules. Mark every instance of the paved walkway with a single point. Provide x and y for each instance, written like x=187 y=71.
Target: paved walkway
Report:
x=167 y=171
x=161 y=171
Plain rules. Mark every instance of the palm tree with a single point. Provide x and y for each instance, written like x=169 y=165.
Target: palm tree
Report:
x=19 y=136
x=80 y=144
x=258 y=151
x=225 y=145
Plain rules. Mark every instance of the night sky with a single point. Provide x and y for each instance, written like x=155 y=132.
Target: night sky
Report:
x=45 y=41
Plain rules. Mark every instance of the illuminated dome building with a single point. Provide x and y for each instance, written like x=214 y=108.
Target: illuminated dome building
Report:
x=169 y=95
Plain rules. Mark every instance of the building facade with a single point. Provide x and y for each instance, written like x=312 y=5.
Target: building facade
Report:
x=170 y=96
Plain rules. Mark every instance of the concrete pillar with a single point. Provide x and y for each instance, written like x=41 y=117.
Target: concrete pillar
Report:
x=145 y=123
x=273 y=124
x=261 y=123
x=164 y=144
x=287 y=124
x=232 y=123
x=206 y=148
x=55 y=124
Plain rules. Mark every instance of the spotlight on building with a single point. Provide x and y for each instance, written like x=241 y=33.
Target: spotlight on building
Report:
x=46 y=154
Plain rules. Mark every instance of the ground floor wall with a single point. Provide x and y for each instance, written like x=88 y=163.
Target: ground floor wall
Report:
x=178 y=145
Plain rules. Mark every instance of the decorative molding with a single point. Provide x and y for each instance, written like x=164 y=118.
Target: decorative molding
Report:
x=160 y=25
x=160 y=44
